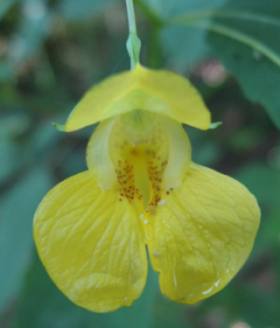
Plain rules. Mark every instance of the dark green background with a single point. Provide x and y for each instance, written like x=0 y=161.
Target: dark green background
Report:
x=51 y=52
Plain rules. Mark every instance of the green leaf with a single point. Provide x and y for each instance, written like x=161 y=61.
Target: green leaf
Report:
x=243 y=35
x=264 y=182
x=17 y=208
x=5 y=71
x=8 y=159
x=5 y=5
x=236 y=306
x=169 y=8
x=78 y=10
x=33 y=28
x=13 y=125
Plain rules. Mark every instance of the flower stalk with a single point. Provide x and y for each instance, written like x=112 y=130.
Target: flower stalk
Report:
x=133 y=43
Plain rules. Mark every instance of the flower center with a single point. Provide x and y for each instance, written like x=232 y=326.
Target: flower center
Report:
x=142 y=154
x=140 y=175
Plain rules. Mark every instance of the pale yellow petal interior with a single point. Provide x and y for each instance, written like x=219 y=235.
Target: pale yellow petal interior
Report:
x=143 y=154
x=158 y=91
x=202 y=234
x=91 y=244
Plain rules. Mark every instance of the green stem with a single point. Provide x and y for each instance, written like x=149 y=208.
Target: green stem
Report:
x=133 y=43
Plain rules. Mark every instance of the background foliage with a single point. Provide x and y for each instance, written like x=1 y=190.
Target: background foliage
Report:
x=51 y=51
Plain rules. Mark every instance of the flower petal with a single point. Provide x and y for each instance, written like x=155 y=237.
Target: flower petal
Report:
x=159 y=91
x=203 y=234
x=91 y=244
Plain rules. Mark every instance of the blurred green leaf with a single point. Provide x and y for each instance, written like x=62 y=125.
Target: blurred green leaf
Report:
x=77 y=10
x=245 y=139
x=5 y=5
x=206 y=154
x=45 y=138
x=17 y=209
x=169 y=8
x=269 y=235
x=13 y=125
x=263 y=181
x=242 y=34
x=8 y=159
x=5 y=72
x=32 y=30
x=238 y=302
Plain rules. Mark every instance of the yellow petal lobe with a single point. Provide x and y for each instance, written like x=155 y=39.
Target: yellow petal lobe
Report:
x=202 y=234
x=91 y=244
x=158 y=91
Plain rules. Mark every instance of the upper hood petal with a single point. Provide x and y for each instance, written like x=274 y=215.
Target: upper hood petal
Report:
x=159 y=91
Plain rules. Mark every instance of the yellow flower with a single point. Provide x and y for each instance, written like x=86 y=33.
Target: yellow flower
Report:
x=142 y=189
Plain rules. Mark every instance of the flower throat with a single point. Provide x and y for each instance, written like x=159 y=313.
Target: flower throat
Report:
x=144 y=155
